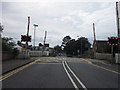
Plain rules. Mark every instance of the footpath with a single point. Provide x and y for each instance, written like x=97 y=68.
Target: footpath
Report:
x=10 y=65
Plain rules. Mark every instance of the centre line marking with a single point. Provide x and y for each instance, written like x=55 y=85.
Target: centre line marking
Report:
x=75 y=86
x=83 y=86
x=48 y=63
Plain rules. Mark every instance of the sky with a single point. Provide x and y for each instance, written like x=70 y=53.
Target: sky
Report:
x=59 y=18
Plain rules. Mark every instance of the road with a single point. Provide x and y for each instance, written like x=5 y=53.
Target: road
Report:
x=62 y=72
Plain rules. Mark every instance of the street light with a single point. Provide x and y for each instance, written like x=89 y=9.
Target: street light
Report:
x=35 y=25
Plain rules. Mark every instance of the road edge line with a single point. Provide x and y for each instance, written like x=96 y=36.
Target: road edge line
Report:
x=7 y=75
x=104 y=68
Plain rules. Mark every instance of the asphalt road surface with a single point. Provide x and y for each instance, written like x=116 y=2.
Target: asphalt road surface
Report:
x=61 y=72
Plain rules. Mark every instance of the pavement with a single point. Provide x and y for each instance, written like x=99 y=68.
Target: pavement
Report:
x=10 y=65
x=62 y=72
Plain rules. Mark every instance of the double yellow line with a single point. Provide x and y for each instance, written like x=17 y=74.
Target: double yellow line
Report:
x=18 y=70
x=89 y=62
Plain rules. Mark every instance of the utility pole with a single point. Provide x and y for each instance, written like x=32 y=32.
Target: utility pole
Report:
x=81 y=46
x=117 y=18
x=34 y=34
x=118 y=21
x=27 y=31
x=44 y=41
x=94 y=42
x=45 y=37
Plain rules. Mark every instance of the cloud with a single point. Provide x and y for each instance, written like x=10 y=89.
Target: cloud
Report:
x=59 y=19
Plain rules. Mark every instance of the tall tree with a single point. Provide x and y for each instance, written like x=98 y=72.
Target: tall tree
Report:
x=66 y=40
x=7 y=44
x=57 y=49
x=75 y=47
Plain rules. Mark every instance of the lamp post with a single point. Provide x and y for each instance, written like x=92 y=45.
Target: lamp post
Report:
x=35 y=25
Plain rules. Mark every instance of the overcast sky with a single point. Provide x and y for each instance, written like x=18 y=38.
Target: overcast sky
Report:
x=59 y=18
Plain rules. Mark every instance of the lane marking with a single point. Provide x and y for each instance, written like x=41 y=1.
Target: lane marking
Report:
x=83 y=86
x=105 y=69
x=17 y=70
x=102 y=67
x=75 y=86
x=48 y=63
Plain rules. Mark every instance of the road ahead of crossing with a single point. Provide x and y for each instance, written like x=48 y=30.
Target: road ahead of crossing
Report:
x=61 y=72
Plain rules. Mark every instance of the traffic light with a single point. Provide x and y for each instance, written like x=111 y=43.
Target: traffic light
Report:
x=29 y=38
x=25 y=38
x=113 y=40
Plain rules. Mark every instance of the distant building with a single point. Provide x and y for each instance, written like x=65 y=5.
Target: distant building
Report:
x=102 y=46
x=40 y=47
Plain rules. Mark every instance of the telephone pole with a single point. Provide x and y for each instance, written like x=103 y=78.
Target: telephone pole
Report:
x=117 y=18
x=44 y=41
x=35 y=25
x=118 y=21
x=45 y=37
x=28 y=31
x=94 y=42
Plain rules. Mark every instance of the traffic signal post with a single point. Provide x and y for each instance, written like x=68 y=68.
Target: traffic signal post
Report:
x=113 y=41
x=26 y=38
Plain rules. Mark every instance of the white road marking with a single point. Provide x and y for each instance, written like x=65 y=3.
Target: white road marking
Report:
x=75 y=86
x=48 y=63
x=83 y=86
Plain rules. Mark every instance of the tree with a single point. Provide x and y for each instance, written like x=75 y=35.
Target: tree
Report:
x=57 y=49
x=1 y=27
x=8 y=45
x=83 y=44
x=22 y=44
x=70 y=47
x=75 y=47
x=40 y=45
x=66 y=40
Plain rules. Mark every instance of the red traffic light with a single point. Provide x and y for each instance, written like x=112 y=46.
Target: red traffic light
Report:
x=113 y=40
x=25 y=38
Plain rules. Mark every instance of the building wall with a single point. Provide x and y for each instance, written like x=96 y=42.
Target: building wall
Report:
x=104 y=56
x=38 y=53
x=103 y=47
x=117 y=58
